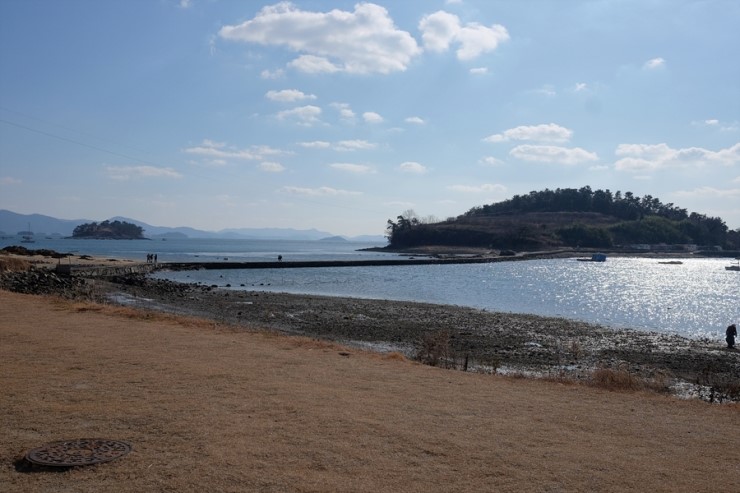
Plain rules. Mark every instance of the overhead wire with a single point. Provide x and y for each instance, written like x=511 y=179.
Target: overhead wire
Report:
x=140 y=160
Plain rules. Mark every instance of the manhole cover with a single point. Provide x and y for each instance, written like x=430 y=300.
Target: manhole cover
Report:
x=82 y=452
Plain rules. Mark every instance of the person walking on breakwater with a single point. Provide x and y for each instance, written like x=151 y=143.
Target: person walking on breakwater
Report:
x=731 y=334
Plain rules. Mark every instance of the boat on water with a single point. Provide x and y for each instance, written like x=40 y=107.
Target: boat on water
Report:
x=734 y=267
x=596 y=257
x=27 y=236
x=671 y=262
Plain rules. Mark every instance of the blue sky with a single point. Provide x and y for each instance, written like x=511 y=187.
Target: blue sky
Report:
x=339 y=115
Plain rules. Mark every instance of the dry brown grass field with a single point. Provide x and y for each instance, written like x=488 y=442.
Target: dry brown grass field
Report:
x=213 y=408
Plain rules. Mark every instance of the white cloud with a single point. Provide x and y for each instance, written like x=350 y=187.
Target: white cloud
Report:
x=415 y=120
x=269 y=151
x=491 y=161
x=546 y=90
x=553 y=154
x=486 y=187
x=580 y=86
x=641 y=157
x=317 y=192
x=716 y=124
x=342 y=145
x=288 y=96
x=359 y=169
x=550 y=132
x=372 y=117
x=303 y=115
x=185 y=4
x=354 y=145
x=211 y=163
x=133 y=172
x=345 y=112
x=316 y=144
x=272 y=74
x=710 y=192
x=220 y=151
x=654 y=63
x=272 y=167
x=9 y=180
x=311 y=64
x=213 y=143
x=441 y=29
x=412 y=167
x=479 y=71
x=363 y=41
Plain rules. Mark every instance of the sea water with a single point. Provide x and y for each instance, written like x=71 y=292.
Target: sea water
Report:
x=697 y=298
x=205 y=250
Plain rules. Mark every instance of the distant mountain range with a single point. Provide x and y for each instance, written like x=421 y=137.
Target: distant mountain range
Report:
x=13 y=224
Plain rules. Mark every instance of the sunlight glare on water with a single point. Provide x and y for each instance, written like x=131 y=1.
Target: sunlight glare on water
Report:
x=698 y=298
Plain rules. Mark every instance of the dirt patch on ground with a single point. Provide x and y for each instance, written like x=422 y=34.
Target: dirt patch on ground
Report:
x=211 y=407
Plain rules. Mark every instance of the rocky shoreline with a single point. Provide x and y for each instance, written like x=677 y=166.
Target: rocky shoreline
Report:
x=441 y=335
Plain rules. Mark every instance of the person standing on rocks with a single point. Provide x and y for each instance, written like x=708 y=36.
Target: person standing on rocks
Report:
x=731 y=334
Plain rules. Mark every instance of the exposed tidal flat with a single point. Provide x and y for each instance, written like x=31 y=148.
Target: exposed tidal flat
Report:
x=454 y=336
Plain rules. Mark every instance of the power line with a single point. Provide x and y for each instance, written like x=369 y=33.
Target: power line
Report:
x=70 y=129
x=144 y=161
x=77 y=142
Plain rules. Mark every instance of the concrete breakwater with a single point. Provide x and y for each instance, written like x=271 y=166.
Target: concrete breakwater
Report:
x=302 y=264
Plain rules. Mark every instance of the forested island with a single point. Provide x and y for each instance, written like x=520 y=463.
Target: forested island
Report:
x=565 y=217
x=113 y=230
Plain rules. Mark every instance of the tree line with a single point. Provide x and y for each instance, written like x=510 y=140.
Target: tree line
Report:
x=631 y=219
x=628 y=206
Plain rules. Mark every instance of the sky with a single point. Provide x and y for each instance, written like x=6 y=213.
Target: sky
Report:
x=340 y=115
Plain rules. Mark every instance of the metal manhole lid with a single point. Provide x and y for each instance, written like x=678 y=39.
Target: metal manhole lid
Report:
x=81 y=452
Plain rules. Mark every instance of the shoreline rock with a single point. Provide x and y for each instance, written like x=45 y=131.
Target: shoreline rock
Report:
x=477 y=339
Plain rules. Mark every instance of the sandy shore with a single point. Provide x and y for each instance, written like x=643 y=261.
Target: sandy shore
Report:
x=48 y=259
x=212 y=407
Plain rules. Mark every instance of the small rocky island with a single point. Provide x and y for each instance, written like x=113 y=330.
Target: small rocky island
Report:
x=109 y=230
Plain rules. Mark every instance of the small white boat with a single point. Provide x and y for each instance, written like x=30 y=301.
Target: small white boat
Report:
x=27 y=236
x=734 y=267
